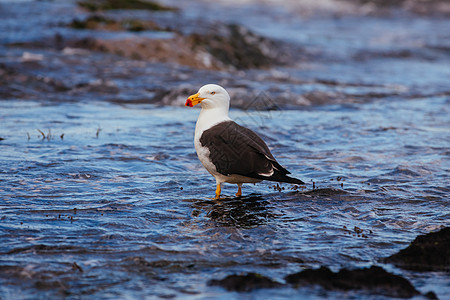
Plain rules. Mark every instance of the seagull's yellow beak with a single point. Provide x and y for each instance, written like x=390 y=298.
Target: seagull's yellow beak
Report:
x=194 y=100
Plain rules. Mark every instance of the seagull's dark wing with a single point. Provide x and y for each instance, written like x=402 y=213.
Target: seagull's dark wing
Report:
x=235 y=149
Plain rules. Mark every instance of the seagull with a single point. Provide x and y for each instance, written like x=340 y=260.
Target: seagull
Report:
x=230 y=152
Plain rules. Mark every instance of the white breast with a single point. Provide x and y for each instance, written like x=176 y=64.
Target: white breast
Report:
x=207 y=119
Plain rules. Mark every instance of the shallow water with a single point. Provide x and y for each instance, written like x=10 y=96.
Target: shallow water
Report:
x=132 y=208
x=111 y=201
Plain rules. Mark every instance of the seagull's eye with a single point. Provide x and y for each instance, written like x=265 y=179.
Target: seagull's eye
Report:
x=213 y=93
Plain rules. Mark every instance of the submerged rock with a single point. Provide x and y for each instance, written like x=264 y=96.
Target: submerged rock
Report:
x=95 y=5
x=429 y=252
x=17 y=83
x=245 y=283
x=99 y=22
x=374 y=280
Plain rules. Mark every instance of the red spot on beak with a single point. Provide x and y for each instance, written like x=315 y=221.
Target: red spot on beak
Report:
x=188 y=103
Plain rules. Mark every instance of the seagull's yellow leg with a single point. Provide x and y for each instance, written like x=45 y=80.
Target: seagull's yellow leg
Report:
x=218 y=190
x=239 y=192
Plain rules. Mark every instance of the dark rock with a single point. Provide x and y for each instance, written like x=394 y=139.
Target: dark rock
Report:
x=92 y=22
x=16 y=83
x=374 y=279
x=99 y=22
x=429 y=252
x=245 y=283
x=95 y=5
x=223 y=47
x=174 y=50
x=237 y=46
x=431 y=295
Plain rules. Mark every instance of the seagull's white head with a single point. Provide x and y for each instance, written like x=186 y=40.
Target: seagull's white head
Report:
x=210 y=96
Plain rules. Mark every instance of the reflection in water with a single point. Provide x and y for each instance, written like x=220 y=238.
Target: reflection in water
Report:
x=246 y=212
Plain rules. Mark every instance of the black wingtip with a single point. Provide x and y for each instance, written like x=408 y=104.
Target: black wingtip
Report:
x=293 y=180
x=283 y=178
